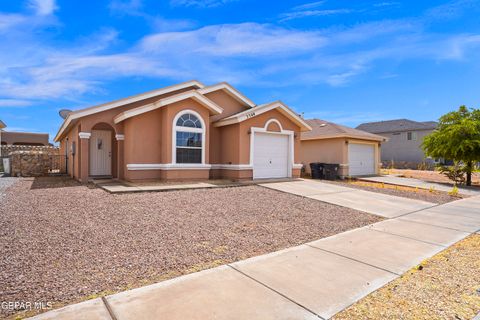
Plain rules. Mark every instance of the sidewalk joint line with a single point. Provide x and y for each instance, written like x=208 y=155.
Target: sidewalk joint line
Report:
x=109 y=308
x=353 y=259
x=407 y=237
x=276 y=291
x=428 y=224
x=415 y=211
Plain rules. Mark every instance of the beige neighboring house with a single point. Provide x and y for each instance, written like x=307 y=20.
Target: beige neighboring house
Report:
x=357 y=152
x=24 y=138
x=186 y=131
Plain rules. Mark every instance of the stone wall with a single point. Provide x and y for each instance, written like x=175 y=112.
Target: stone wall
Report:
x=7 y=149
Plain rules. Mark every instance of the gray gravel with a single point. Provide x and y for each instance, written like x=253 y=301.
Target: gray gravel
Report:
x=62 y=242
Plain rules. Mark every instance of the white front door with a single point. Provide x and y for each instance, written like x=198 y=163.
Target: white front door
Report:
x=270 y=156
x=361 y=159
x=101 y=153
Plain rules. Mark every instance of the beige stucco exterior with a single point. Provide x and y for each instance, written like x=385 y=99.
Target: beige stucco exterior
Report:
x=143 y=133
x=333 y=150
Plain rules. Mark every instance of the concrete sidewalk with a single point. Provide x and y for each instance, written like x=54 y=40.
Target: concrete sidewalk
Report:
x=416 y=183
x=372 y=202
x=311 y=281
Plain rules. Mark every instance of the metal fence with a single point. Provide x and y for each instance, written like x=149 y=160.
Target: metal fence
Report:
x=58 y=165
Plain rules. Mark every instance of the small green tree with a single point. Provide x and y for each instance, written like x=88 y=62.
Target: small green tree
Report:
x=456 y=138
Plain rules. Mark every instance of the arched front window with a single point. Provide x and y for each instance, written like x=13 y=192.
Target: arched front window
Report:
x=189 y=135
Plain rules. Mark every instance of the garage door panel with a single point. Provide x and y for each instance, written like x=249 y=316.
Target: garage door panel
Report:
x=270 y=156
x=361 y=159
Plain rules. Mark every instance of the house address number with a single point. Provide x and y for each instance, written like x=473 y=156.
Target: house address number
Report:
x=250 y=115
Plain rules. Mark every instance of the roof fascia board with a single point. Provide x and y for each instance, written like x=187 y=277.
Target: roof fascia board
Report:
x=164 y=102
x=234 y=93
x=122 y=102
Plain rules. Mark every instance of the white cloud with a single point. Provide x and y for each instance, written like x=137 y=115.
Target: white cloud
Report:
x=312 y=13
x=200 y=3
x=7 y=103
x=308 y=6
x=246 y=39
x=43 y=7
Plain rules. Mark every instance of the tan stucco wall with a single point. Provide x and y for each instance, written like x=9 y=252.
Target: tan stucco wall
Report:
x=323 y=150
x=333 y=150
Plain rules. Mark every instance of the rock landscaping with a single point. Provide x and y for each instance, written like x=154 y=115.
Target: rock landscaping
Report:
x=62 y=242
x=446 y=286
x=433 y=196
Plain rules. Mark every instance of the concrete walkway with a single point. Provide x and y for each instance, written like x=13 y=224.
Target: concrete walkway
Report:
x=372 y=202
x=416 y=183
x=311 y=281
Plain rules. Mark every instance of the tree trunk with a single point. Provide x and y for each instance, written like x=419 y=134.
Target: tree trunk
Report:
x=469 y=168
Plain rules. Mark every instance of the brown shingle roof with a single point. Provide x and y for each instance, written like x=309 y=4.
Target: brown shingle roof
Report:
x=397 y=125
x=322 y=129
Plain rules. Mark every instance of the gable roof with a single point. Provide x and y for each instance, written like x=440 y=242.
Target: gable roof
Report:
x=322 y=129
x=194 y=95
x=121 y=102
x=260 y=109
x=2 y=124
x=396 y=125
x=234 y=93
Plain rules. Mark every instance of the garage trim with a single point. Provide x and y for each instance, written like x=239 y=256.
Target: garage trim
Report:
x=288 y=133
x=375 y=148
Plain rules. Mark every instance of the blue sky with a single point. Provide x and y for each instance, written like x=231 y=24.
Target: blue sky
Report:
x=343 y=61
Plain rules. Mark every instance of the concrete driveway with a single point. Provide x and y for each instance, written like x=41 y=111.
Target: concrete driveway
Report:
x=376 y=203
x=416 y=183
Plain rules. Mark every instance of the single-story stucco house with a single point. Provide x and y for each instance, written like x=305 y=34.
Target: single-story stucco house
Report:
x=24 y=138
x=183 y=132
x=357 y=152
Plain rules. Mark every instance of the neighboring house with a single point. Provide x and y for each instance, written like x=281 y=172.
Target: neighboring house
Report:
x=404 y=139
x=185 y=131
x=24 y=138
x=357 y=152
x=2 y=126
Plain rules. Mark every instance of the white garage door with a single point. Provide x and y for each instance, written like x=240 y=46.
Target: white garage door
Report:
x=270 y=156
x=361 y=159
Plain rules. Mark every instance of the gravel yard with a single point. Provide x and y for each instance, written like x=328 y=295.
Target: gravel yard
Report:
x=433 y=196
x=447 y=286
x=62 y=242
x=428 y=175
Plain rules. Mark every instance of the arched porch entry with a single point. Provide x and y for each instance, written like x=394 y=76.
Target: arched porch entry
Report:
x=103 y=151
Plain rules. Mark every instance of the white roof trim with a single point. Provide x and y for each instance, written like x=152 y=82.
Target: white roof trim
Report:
x=209 y=104
x=250 y=113
x=2 y=124
x=117 y=103
x=234 y=93
x=345 y=135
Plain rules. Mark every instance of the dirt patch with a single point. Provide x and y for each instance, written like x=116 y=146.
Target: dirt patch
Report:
x=426 y=175
x=446 y=286
x=433 y=196
x=64 y=245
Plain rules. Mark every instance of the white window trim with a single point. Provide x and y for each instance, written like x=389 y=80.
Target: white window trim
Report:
x=167 y=166
x=187 y=129
x=291 y=142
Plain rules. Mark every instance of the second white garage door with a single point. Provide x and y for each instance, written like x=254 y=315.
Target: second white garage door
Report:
x=361 y=159
x=270 y=156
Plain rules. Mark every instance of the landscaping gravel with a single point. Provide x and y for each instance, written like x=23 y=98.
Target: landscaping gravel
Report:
x=446 y=286
x=401 y=191
x=64 y=244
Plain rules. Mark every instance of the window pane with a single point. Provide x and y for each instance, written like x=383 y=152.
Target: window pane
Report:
x=189 y=155
x=189 y=139
x=189 y=120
